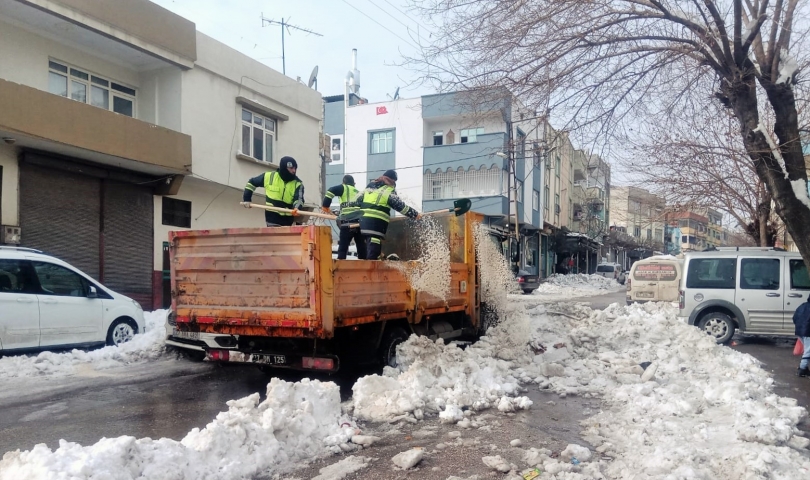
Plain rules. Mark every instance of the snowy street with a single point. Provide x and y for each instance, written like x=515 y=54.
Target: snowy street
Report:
x=578 y=403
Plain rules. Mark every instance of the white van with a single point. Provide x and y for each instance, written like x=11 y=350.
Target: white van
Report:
x=654 y=279
x=751 y=289
x=609 y=270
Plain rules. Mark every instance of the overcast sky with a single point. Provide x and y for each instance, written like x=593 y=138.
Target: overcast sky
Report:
x=381 y=30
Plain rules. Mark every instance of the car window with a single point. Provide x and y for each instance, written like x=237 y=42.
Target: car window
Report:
x=799 y=279
x=667 y=272
x=58 y=280
x=711 y=273
x=15 y=277
x=759 y=274
x=605 y=268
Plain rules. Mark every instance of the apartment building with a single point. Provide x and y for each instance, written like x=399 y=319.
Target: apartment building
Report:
x=640 y=214
x=121 y=122
x=444 y=147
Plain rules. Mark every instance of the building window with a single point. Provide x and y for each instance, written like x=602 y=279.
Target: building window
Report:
x=521 y=144
x=649 y=234
x=559 y=166
x=536 y=154
x=519 y=191
x=176 y=213
x=438 y=138
x=79 y=85
x=637 y=232
x=546 y=200
x=557 y=203
x=469 y=135
x=258 y=136
x=535 y=200
x=381 y=142
x=658 y=234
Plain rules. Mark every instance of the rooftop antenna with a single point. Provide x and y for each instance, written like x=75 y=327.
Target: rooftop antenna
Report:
x=313 y=78
x=285 y=26
x=396 y=93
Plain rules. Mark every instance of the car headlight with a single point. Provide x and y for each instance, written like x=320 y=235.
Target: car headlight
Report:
x=137 y=305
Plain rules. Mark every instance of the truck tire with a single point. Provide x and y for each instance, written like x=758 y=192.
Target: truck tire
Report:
x=388 y=347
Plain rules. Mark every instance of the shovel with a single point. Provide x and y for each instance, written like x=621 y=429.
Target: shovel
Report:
x=460 y=207
x=300 y=212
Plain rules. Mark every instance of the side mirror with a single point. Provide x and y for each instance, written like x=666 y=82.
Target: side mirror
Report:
x=92 y=292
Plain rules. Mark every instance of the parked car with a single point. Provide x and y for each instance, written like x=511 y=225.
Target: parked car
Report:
x=49 y=304
x=754 y=290
x=527 y=282
x=654 y=279
x=609 y=270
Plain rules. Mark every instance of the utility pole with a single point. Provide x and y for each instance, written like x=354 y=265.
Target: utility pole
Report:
x=285 y=26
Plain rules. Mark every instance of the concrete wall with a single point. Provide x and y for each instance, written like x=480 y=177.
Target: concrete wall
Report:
x=211 y=115
x=405 y=117
x=10 y=186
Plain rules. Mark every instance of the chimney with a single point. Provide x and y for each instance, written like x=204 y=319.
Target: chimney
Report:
x=355 y=84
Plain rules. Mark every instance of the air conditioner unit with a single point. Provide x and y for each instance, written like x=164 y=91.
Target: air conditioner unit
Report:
x=11 y=235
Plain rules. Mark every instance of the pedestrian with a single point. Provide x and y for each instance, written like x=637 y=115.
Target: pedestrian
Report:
x=801 y=318
x=281 y=189
x=376 y=201
x=347 y=193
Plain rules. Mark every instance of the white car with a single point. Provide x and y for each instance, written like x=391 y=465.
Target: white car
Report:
x=46 y=303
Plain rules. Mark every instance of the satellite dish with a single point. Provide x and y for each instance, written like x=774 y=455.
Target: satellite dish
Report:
x=313 y=78
x=396 y=93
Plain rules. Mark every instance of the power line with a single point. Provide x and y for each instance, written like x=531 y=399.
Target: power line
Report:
x=380 y=24
x=398 y=20
x=408 y=16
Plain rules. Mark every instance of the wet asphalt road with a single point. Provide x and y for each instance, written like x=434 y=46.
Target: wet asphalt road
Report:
x=170 y=401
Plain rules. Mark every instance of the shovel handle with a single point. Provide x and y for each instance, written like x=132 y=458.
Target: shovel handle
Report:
x=300 y=212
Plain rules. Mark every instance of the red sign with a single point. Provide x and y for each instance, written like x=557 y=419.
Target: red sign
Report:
x=381 y=110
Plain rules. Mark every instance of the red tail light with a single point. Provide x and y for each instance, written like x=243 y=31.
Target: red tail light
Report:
x=318 y=363
x=218 y=355
x=521 y=279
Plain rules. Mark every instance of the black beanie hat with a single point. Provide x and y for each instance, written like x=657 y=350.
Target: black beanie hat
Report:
x=390 y=174
x=348 y=180
x=288 y=161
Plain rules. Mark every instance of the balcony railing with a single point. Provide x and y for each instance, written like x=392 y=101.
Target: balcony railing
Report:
x=467 y=155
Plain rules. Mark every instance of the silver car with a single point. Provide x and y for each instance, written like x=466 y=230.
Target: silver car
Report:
x=754 y=290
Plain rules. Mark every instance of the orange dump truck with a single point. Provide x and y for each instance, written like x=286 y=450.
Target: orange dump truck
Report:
x=275 y=297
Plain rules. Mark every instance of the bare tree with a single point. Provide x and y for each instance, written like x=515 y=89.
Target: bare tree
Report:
x=603 y=63
x=701 y=162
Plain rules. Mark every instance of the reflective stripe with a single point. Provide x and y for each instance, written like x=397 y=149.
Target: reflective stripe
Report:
x=250 y=187
x=329 y=194
x=375 y=240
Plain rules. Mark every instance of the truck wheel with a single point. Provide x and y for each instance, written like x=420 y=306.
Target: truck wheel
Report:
x=388 y=348
x=719 y=326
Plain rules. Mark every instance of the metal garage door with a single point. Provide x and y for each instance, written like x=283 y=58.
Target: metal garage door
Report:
x=103 y=227
x=59 y=214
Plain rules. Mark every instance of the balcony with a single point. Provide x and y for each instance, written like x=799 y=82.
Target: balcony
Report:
x=466 y=155
x=43 y=121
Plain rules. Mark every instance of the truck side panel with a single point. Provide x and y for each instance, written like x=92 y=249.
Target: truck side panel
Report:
x=266 y=281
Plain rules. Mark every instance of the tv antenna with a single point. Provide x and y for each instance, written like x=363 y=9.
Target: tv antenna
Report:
x=396 y=94
x=285 y=26
x=313 y=78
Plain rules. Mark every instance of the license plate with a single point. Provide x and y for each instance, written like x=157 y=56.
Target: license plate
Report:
x=268 y=359
x=189 y=335
x=645 y=294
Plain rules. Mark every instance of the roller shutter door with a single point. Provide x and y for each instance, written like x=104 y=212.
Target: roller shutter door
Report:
x=59 y=214
x=103 y=227
x=128 y=240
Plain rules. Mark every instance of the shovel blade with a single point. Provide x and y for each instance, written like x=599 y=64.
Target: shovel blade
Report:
x=462 y=206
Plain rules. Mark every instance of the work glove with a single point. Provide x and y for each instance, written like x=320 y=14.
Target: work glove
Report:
x=326 y=210
x=245 y=204
x=419 y=216
x=294 y=212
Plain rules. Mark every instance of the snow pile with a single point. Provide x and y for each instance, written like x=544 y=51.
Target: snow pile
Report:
x=563 y=287
x=296 y=423
x=698 y=410
x=580 y=280
x=142 y=347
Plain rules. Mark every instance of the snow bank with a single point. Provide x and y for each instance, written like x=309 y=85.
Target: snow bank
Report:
x=580 y=280
x=143 y=347
x=296 y=423
x=699 y=410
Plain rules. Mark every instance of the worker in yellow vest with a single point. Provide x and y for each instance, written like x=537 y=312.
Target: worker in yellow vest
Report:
x=376 y=202
x=346 y=192
x=281 y=189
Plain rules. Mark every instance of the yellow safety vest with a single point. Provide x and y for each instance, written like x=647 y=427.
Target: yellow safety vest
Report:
x=349 y=194
x=375 y=204
x=277 y=193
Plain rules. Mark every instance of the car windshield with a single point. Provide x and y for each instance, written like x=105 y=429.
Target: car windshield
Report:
x=605 y=268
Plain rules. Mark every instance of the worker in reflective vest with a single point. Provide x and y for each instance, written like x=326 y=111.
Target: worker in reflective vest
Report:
x=377 y=200
x=281 y=189
x=346 y=192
